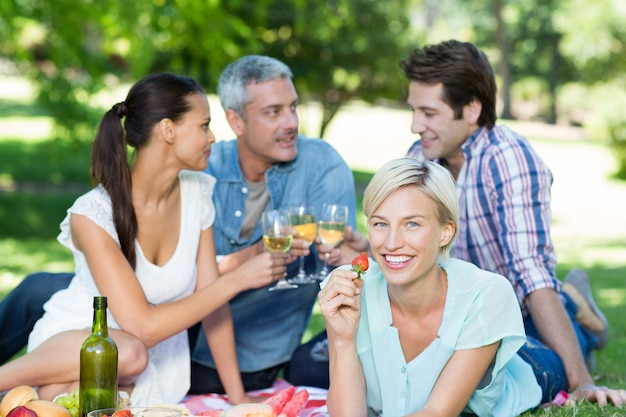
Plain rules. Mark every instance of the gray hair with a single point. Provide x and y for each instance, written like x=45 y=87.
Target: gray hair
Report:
x=431 y=178
x=231 y=87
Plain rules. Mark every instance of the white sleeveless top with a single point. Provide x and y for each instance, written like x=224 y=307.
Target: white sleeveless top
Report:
x=167 y=376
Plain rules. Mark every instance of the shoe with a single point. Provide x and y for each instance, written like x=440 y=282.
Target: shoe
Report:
x=580 y=280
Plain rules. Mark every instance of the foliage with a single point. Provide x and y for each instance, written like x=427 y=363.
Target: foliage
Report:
x=554 y=41
x=605 y=121
x=67 y=47
x=594 y=38
x=354 y=53
x=339 y=50
x=549 y=45
x=49 y=163
x=72 y=49
x=617 y=140
x=21 y=256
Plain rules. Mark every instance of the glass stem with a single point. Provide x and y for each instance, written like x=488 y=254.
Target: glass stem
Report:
x=301 y=272
x=324 y=271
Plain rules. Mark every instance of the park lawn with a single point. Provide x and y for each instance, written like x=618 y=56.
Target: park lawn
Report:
x=40 y=178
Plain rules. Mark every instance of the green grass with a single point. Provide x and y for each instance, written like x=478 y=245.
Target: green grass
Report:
x=40 y=178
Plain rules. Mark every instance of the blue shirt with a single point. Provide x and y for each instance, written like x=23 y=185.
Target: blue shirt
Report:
x=503 y=190
x=480 y=309
x=270 y=324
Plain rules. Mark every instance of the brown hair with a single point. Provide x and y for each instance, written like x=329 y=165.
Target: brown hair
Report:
x=153 y=98
x=464 y=71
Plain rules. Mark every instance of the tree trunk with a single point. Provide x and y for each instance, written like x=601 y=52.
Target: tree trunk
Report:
x=329 y=111
x=553 y=77
x=504 y=66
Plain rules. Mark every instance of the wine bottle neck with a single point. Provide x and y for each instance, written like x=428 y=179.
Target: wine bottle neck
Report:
x=100 y=322
x=100 y=316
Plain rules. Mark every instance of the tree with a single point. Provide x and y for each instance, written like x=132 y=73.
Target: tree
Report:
x=504 y=64
x=338 y=49
x=343 y=49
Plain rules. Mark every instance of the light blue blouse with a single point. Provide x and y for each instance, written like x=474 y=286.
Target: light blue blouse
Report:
x=480 y=309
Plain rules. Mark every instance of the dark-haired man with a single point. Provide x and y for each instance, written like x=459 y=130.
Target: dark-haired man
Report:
x=503 y=188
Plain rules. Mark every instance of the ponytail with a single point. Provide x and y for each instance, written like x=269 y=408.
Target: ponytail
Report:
x=109 y=167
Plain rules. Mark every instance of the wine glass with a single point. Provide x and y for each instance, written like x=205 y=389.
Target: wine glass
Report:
x=331 y=229
x=277 y=237
x=303 y=222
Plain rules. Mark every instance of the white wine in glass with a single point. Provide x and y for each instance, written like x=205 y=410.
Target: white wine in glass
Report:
x=331 y=229
x=277 y=243
x=277 y=237
x=303 y=222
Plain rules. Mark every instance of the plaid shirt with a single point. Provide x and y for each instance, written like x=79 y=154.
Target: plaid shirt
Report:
x=504 y=209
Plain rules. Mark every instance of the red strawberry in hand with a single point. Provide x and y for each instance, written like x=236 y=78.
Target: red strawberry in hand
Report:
x=360 y=264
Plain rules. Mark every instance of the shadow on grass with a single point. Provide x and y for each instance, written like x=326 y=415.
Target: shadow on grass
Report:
x=38 y=182
x=31 y=215
x=52 y=162
x=10 y=108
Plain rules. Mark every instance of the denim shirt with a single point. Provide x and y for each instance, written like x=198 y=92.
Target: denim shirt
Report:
x=270 y=324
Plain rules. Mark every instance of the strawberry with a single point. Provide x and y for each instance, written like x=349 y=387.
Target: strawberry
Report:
x=360 y=263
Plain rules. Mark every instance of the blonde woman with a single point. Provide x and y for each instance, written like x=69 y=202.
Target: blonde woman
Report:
x=422 y=334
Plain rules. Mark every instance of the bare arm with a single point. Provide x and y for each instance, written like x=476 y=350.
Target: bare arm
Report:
x=458 y=381
x=219 y=330
x=340 y=304
x=231 y=261
x=116 y=280
x=557 y=332
x=218 y=327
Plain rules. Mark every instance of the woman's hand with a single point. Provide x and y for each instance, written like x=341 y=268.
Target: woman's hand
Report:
x=244 y=399
x=339 y=302
x=299 y=247
x=261 y=270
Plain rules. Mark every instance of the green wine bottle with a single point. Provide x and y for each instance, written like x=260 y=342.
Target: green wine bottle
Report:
x=98 y=364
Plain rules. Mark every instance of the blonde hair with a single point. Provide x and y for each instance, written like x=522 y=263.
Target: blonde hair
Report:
x=431 y=178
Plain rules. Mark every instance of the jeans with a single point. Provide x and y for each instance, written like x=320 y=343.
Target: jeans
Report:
x=586 y=339
x=205 y=379
x=547 y=365
x=268 y=327
x=23 y=306
x=308 y=368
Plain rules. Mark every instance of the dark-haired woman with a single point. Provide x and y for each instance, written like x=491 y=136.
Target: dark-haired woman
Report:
x=144 y=239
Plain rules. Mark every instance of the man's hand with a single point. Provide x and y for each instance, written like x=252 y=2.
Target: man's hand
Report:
x=557 y=333
x=353 y=243
x=299 y=247
x=601 y=395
